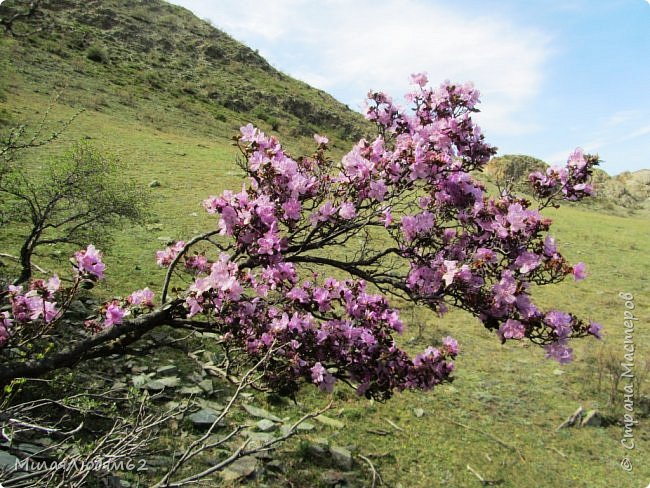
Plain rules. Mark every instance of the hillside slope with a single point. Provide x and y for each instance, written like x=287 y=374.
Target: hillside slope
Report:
x=158 y=63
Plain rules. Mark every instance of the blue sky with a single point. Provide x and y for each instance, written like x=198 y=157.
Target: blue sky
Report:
x=554 y=74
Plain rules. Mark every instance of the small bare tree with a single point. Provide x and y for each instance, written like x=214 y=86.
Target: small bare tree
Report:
x=68 y=200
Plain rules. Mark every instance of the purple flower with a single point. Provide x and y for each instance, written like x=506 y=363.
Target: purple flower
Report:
x=5 y=323
x=323 y=214
x=579 y=271
x=561 y=323
x=559 y=351
x=516 y=217
x=451 y=344
x=527 y=261
x=141 y=297
x=321 y=140
x=450 y=272
x=420 y=79
x=512 y=329
x=322 y=377
x=387 y=217
x=347 y=211
x=504 y=291
x=292 y=209
x=549 y=246
x=378 y=190
x=166 y=257
x=248 y=133
x=114 y=315
x=595 y=329
x=90 y=261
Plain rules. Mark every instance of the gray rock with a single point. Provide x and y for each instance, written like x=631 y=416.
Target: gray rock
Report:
x=593 y=418
x=190 y=390
x=162 y=383
x=206 y=385
x=261 y=413
x=29 y=448
x=168 y=370
x=7 y=460
x=155 y=385
x=317 y=451
x=306 y=427
x=265 y=425
x=330 y=422
x=573 y=419
x=204 y=418
x=341 y=457
x=140 y=380
x=210 y=404
x=242 y=468
x=418 y=412
x=259 y=438
x=154 y=184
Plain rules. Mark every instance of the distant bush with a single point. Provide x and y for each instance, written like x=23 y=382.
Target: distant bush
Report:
x=98 y=53
x=514 y=169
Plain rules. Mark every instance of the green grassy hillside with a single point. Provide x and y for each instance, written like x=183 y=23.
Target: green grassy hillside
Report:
x=165 y=91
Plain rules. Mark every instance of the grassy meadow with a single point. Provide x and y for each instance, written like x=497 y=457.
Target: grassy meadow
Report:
x=497 y=420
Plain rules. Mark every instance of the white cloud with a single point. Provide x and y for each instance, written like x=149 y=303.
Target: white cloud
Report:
x=347 y=48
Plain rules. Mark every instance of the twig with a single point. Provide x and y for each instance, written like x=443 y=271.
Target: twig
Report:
x=475 y=473
x=397 y=427
x=375 y=474
x=558 y=451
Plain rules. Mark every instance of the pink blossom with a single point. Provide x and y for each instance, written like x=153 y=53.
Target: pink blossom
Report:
x=166 y=257
x=527 y=261
x=248 y=133
x=595 y=329
x=549 y=246
x=5 y=323
x=114 y=315
x=512 y=329
x=90 y=261
x=504 y=291
x=322 y=377
x=347 y=211
x=197 y=263
x=419 y=79
x=579 y=271
x=387 y=217
x=559 y=351
x=324 y=213
x=53 y=284
x=450 y=272
x=141 y=297
x=378 y=190
x=451 y=344
x=292 y=209
x=561 y=323
x=321 y=140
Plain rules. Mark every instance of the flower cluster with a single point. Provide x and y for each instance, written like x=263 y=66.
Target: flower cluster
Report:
x=320 y=332
x=458 y=246
x=167 y=256
x=570 y=182
x=36 y=307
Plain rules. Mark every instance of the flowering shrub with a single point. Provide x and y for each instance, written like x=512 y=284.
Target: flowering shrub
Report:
x=310 y=250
